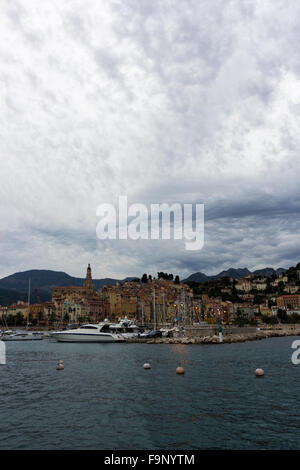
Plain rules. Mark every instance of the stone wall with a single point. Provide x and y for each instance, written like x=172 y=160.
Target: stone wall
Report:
x=210 y=330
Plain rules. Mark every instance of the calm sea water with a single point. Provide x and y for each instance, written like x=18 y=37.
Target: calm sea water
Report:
x=104 y=399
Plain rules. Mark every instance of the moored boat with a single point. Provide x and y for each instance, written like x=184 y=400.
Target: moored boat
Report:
x=126 y=328
x=22 y=336
x=89 y=333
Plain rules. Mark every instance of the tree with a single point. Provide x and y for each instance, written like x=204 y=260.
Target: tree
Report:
x=258 y=299
x=166 y=276
x=52 y=318
x=240 y=319
x=280 y=287
x=293 y=318
x=10 y=320
x=177 y=280
x=144 y=278
x=225 y=281
x=282 y=316
x=269 y=320
x=19 y=319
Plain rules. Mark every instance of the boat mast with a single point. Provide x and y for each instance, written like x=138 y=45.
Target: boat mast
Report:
x=154 y=312
x=164 y=309
x=28 y=303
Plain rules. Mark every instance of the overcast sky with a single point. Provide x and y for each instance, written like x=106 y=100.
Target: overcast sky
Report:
x=160 y=100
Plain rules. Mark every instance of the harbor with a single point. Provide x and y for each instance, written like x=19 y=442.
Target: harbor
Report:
x=126 y=331
x=152 y=311
x=105 y=399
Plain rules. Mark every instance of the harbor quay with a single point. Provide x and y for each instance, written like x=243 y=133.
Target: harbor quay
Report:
x=210 y=335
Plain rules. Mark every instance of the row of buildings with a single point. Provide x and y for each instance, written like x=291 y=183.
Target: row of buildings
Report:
x=155 y=302
x=252 y=283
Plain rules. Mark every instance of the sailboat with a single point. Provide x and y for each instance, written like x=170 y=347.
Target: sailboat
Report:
x=23 y=335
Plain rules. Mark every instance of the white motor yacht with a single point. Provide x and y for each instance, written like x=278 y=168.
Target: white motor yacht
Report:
x=90 y=333
x=125 y=327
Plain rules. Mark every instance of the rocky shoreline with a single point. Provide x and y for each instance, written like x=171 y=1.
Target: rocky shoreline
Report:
x=230 y=338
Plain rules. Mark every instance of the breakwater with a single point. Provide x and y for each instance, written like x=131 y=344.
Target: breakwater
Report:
x=230 y=335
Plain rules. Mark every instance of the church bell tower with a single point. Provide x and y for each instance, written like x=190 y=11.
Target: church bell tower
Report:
x=88 y=283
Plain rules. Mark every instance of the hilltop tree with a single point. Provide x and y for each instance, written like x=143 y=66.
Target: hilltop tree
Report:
x=166 y=276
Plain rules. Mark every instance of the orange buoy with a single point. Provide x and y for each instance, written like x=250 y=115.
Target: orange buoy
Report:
x=180 y=370
x=259 y=373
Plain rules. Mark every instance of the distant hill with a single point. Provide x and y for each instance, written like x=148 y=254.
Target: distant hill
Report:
x=234 y=273
x=268 y=272
x=8 y=297
x=231 y=272
x=197 y=277
x=15 y=286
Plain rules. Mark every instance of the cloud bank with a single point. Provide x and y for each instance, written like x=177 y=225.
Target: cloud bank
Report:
x=192 y=101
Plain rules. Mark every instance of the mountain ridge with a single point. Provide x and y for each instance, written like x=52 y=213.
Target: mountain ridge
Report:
x=15 y=286
x=236 y=273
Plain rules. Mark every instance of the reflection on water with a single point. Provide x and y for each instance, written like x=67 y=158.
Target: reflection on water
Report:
x=104 y=399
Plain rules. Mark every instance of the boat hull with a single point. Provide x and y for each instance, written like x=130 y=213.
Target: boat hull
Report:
x=23 y=338
x=82 y=338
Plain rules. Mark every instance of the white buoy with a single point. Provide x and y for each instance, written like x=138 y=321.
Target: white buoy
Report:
x=147 y=365
x=259 y=373
x=60 y=365
x=180 y=370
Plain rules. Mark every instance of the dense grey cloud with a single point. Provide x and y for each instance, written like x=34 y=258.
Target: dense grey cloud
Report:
x=192 y=101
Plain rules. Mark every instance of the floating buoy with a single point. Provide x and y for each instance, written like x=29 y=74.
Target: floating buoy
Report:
x=147 y=365
x=180 y=370
x=60 y=365
x=259 y=373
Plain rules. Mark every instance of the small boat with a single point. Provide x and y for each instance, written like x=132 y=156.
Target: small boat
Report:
x=22 y=336
x=90 y=333
x=11 y=335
